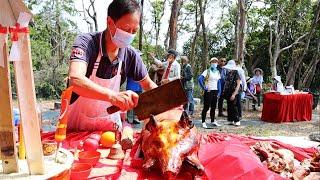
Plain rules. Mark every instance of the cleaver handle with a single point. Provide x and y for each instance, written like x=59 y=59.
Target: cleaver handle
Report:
x=112 y=109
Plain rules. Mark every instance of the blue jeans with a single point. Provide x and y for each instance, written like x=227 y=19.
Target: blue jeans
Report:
x=189 y=107
x=130 y=113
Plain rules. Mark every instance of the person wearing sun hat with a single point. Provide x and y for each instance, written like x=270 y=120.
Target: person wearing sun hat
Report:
x=250 y=92
x=257 y=80
x=243 y=88
x=209 y=82
x=231 y=91
x=243 y=84
x=277 y=84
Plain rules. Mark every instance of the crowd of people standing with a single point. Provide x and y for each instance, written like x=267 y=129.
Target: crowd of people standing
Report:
x=222 y=81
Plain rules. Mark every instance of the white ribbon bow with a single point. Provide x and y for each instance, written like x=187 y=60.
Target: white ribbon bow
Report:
x=23 y=20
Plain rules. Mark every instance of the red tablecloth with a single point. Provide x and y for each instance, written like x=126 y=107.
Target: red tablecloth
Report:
x=224 y=156
x=286 y=108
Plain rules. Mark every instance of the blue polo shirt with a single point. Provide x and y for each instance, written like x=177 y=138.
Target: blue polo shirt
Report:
x=86 y=48
x=133 y=86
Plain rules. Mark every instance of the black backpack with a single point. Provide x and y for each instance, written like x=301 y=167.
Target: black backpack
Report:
x=230 y=83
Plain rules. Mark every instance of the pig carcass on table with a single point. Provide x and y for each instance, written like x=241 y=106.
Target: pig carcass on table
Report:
x=170 y=145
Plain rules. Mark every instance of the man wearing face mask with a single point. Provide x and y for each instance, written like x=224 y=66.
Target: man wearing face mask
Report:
x=209 y=82
x=99 y=63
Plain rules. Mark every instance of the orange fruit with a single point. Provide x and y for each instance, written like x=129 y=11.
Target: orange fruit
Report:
x=108 y=138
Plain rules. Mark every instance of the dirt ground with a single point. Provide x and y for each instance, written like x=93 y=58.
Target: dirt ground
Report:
x=251 y=124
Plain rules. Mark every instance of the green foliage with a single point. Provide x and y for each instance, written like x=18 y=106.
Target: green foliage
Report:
x=296 y=16
x=52 y=34
x=147 y=47
x=157 y=6
x=217 y=48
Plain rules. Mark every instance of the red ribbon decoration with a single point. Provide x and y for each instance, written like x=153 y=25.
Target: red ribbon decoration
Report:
x=17 y=29
x=3 y=30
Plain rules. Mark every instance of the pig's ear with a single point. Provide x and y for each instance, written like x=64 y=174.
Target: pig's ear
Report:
x=185 y=120
x=152 y=124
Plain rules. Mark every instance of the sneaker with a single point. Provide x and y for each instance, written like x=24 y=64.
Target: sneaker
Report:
x=214 y=123
x=231 y=123
x=237 y=123
x=204 y=125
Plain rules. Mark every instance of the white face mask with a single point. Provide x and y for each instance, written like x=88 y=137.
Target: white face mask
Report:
x=121 y=38
x=213 y=65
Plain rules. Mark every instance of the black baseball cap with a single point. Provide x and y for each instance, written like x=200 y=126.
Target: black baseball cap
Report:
x=173 y=52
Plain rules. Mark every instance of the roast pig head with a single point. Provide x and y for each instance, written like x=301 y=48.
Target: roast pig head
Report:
x=171 y=145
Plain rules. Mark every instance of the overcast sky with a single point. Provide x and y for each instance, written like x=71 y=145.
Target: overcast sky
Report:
x=212 y=17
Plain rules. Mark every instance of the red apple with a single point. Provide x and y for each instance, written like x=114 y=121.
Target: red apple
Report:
x=90 y=144
x=95 y=136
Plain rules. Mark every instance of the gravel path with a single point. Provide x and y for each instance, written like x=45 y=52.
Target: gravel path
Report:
x=252 y=125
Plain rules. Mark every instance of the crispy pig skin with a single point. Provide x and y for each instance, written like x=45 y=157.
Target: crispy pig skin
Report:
x=170 y=145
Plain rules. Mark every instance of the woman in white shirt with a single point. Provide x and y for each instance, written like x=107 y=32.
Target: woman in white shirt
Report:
x=208 y=81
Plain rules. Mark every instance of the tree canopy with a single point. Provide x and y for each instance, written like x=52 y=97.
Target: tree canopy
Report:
x=281 y=37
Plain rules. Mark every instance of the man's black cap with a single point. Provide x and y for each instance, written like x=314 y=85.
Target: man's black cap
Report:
x=173 y=52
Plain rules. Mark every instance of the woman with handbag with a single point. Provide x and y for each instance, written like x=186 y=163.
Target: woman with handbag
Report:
x=257 y=80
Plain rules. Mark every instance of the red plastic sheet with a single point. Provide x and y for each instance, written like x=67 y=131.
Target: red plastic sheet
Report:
x=224 y=156
x=287 y=108
x=232 y=160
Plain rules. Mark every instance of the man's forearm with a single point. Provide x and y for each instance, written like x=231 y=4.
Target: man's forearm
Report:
x=157 y=61
x=147 y=83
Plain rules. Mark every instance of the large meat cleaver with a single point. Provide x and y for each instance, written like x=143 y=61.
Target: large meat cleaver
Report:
x=158 y=100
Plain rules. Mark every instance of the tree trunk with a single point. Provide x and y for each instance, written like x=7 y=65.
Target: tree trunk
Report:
x=195 y=37
x=241 y=34
x=236 y=27
x=141 y=27
x=156 y=28
x=166 y=40
x=173 y=24
x=89 y=24
x=272 y=65
x=274 y=53
x=307 y=76
x=93 y=15
x=294 y=66
x=278 y=32
x=205 y=55
x=158 y=23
